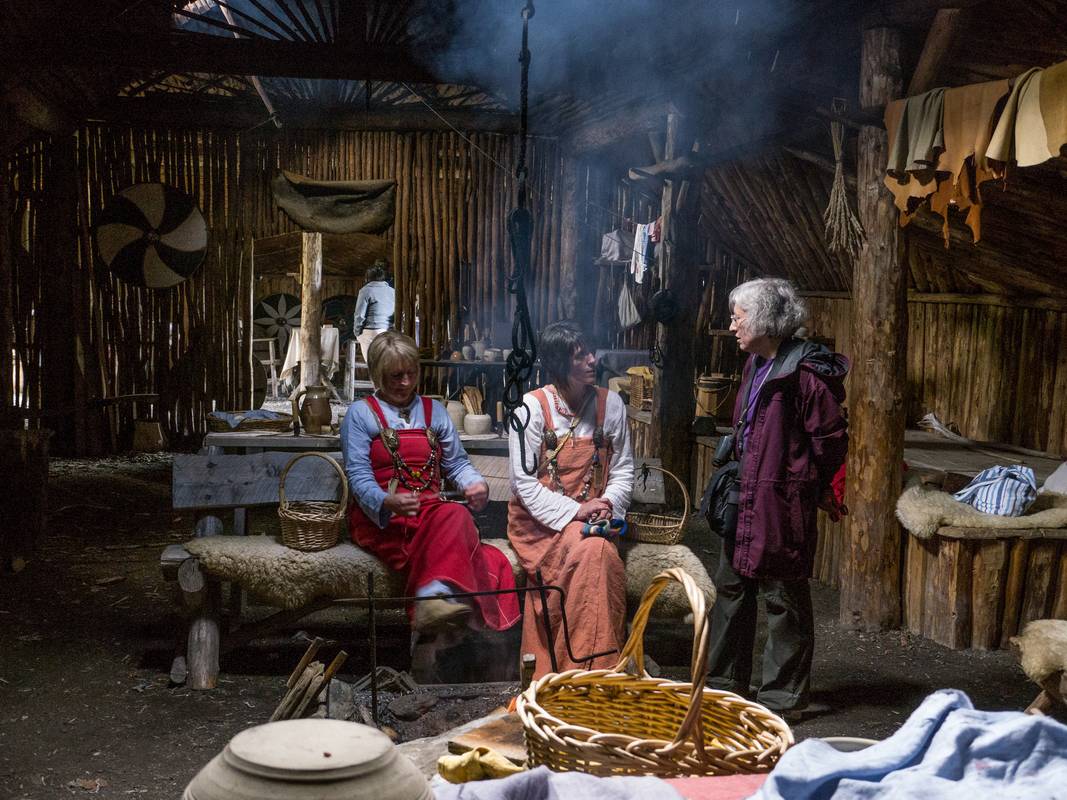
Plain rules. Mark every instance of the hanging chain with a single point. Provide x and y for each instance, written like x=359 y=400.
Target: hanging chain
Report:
x=520 y=362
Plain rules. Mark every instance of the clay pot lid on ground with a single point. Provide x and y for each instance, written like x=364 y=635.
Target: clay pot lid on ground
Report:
x=352 y=759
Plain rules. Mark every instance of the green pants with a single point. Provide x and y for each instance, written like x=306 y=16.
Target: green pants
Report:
x=790 y=636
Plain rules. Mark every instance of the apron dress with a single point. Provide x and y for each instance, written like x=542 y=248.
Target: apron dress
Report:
x=439 y=543
x=587 y=568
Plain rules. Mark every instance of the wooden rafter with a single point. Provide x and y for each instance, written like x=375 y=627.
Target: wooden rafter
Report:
x=948 y=22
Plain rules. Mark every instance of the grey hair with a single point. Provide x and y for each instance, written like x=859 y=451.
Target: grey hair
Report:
x=773 y=305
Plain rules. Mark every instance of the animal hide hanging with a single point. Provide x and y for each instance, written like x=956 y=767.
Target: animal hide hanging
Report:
x=336 y=206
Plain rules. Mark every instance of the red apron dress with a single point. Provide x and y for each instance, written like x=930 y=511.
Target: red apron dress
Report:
x=588 y=568
x=439 y=543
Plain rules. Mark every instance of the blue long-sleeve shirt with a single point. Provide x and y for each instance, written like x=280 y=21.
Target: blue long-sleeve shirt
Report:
x=375 y=306
x=359 y=429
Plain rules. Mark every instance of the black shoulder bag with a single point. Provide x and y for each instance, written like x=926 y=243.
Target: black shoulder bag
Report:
x=722 y=495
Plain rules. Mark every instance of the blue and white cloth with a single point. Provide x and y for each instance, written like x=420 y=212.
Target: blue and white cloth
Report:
x=946 y=750
x=1007 y=491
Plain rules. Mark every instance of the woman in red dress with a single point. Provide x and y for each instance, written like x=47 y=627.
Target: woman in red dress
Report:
x=397 y=447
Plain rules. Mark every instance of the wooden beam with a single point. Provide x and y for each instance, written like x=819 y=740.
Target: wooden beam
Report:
x=311 y=303
x=606 y=131
x=184 y=51
x=568 y=247
x=939 y=44
x=870 y=583
x=674 y=404
x=910 y=12
x=182 y=110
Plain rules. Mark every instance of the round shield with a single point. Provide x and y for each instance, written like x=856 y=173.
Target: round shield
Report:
x=277 y=315
x=339 y=311
x=151 y=235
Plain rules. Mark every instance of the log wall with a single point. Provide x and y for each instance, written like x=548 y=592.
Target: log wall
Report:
x=997 y=370
x=189 y=344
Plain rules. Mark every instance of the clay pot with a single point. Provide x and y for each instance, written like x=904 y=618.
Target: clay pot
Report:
x=479 y=348
x=492 y=354
x=309 y=759
x=477 y=424
x=468 y=352
x=315 y=413
x=456 y=412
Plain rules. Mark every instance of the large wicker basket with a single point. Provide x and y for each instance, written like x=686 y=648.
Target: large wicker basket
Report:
x=644 y=526
x=311 y=524
x=611 y=722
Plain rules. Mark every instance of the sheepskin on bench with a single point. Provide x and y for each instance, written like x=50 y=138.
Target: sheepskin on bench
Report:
x=923 y=510
x=287 y=578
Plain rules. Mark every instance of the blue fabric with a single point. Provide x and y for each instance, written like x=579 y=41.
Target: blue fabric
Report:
x=360 y=427
x=540 y=784
x=1007 y=491
x=605 y=527
x=375 y=306
x=945 y=750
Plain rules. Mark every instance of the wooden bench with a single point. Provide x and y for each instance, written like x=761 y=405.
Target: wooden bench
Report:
x=215 y=484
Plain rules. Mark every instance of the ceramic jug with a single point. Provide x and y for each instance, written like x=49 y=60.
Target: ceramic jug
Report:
x=315 y=414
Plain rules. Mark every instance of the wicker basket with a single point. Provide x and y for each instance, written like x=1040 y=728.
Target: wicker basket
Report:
x=653 y=528
x=284 y=423
x=640 y=393
x=311 y=524
x=611 y=722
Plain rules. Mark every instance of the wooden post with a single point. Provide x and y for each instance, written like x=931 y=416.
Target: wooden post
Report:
x=673 y=403
x=568 y=247
x=870 y=586
x=311 y=308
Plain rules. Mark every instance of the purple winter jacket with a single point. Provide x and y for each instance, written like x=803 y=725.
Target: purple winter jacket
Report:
x=796 y=443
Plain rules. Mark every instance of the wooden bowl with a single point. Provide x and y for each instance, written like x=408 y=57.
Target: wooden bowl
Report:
x=309 y=759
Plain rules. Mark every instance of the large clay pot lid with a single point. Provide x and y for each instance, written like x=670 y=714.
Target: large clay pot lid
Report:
x=310 y=750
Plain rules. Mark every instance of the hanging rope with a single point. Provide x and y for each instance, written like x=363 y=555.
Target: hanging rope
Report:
x=520 y=362
x=844 y=233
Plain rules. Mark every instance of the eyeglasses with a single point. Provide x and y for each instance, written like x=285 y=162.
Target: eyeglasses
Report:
x=736 y=319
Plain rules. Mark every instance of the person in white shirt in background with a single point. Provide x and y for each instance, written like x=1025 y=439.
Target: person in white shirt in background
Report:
x=578 y=437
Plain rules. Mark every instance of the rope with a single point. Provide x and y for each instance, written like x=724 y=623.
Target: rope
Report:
x=844 y=233
x=520 y=362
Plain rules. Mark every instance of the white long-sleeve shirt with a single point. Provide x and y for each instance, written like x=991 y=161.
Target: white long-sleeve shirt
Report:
x=553 y=509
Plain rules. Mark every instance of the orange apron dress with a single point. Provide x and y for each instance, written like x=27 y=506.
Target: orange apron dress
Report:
x=588 y=568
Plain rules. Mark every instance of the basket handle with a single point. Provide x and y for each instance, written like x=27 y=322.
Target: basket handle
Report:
x=333 y=463
x=691 y=728
x=686 y=505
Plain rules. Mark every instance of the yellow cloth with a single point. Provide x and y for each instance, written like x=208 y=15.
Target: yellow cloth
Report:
x=644 y=372
x=479 y=764
x=1033 y=127
x=909 y=187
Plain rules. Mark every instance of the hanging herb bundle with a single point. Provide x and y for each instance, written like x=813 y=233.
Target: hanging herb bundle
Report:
x=844 y=233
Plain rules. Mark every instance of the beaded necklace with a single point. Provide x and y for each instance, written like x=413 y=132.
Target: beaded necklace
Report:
x=553 y=444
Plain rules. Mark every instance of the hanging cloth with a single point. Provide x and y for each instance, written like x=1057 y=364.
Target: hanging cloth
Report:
x=629 y=316
x=916 y=140
x=642 y=253
x=1033 y=126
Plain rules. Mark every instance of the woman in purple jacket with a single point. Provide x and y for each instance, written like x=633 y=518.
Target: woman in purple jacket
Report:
x=791 y=437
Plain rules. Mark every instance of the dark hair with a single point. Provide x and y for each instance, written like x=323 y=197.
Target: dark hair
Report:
x=559 y=342
x=376 y=273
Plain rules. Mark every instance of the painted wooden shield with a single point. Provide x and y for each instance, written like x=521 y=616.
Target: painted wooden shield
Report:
x=277 y=315
x=151 y=235
x=339 y=311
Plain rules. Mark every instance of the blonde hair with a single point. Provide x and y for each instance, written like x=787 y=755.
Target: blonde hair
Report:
x=388 y=351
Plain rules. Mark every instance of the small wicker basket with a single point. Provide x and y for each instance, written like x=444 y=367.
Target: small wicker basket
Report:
x=311 y=524
x=283 y=423
x=653 y=528
x=611 y=722
x=640 y=393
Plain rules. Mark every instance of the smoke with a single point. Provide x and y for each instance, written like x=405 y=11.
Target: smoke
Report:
x=585 y=47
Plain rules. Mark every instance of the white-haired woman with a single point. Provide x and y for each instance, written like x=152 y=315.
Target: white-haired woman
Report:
x=790 y=438
x=397 y=446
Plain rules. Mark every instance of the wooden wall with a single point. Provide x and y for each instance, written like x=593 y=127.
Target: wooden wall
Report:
x=995 y=369
x=189 y=343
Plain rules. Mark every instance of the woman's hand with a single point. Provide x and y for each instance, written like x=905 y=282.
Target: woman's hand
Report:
x=477 y=495
x=593 y=510
x=404 y=505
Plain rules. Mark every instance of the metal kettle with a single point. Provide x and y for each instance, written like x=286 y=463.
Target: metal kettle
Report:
x=315 y=414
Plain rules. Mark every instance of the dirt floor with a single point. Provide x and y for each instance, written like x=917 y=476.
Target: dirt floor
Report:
x=88 y=631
